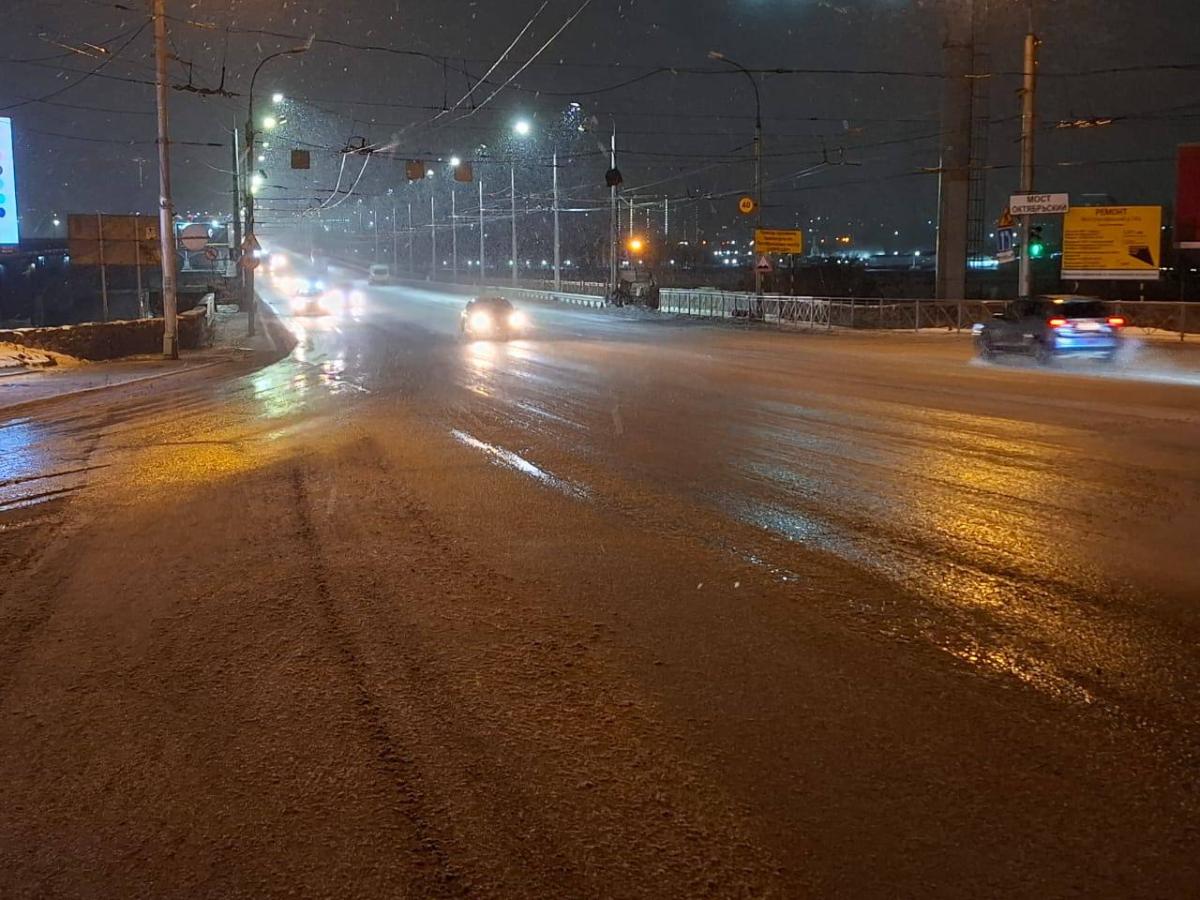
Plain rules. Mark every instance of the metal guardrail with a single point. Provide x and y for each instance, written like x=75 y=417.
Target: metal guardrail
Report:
x=869 y=314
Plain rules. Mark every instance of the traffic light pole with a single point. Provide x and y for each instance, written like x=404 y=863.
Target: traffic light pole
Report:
x=1028 y=127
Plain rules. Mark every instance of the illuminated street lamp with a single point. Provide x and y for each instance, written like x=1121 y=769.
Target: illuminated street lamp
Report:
x=455 y=162
x=277 y=98
x=636 y=244
x=269 y=123
x=522 y=127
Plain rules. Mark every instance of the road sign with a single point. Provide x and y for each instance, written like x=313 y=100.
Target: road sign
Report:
x=1112 y=242
x=746 y=206
x=251 y=245
x=1039 y=204
x=1006 y=220
x=250 y=261
x=764 y=264
x=414 y=169
x=194 y=236
x=10 y=232
x=301 y=159
x=768 y=240
x=1005 y=252
x=94 y=240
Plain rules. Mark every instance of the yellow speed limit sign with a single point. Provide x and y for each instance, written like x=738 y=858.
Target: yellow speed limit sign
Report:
x=747 y=205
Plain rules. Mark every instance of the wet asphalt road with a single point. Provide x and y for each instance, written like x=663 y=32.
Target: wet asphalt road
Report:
x=918 y=625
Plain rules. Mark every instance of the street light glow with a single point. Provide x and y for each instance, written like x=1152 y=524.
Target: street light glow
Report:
x=277 y=98
x=522 y=127
x=455 y=162
x=269 y=122
x=636 y=245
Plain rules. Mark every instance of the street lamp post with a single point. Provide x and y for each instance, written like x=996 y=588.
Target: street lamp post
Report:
x=166 y=211
x=512 y=176
x=758 y=200
x=251 y=300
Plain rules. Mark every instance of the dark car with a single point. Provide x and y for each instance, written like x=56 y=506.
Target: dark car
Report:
x=491 y=318
x=1050 y=328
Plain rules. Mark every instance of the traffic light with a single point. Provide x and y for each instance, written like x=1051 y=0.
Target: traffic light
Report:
x=1037 y=245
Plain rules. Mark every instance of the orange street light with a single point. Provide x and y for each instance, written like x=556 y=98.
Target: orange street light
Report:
x=636 y=245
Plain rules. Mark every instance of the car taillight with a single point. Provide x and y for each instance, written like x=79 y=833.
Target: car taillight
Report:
x=1057 y=322
x=1116 y=321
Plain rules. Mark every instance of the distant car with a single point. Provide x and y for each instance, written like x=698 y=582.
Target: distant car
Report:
x=379 y=274
x=308 y=296
x=310 y=287
x=1052 y=327
x=492 y=318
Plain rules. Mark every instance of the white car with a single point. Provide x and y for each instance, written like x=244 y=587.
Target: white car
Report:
x=379 y=274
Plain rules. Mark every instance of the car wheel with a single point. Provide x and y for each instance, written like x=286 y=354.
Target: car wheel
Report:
x=1043 y=353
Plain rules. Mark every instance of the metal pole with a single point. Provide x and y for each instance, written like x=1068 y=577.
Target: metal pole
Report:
x=512 y=175
x=453 y=235
x=557 y=239
x=1028 y=128
x=103 y=269
x=395 y=242
x=250 y=301
x=166 y=212
x=432 y=235
x=235 y=240
x=955 y=165
x=137 y=261
x=482 y=259
x=612 y=217
x=411 y=265
x=375 y=222
x=666 y=217
x=757 y=179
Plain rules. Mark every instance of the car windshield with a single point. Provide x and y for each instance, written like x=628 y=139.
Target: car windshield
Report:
x=1077 y=309
x=496 y=304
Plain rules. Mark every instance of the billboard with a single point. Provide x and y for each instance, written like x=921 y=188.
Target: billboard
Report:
x=1187 y=198
x=99 y=239
x=774 y=240
x=1112 y=243
x=10 y=232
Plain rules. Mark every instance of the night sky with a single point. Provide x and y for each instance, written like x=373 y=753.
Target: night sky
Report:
x=843 y=146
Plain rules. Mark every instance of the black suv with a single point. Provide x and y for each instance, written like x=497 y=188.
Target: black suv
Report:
x=1051 y=327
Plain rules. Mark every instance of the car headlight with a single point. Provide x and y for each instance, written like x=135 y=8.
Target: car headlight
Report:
x=481 y=321
x=516 y=319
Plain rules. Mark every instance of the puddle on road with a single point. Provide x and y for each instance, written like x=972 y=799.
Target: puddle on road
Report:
x=518 y=463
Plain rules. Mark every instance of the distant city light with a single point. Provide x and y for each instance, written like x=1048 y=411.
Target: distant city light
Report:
x=269 y=122
x=277 y=98
x=429 y=173
x=522 y=127
x=57 y=222
x=455 y=162
x=262 y=157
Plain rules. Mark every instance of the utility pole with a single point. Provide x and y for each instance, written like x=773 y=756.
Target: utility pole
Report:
x=557 y=240
x=482 y=260
x=235 y=241
x=512 y=175
x=395 y=238
x=411 y=266
x=453 y=235
x=1028 y=127
x=612 y=216
x=666 y=217
x=166 y=210
x=432 y=235
x=955 y=167
x=758 y=134
x=375 y=222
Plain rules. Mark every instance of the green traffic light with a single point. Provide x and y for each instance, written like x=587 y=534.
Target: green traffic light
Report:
x=1037 y=250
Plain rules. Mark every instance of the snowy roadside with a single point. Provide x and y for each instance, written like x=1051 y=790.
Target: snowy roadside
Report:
x=36 y=376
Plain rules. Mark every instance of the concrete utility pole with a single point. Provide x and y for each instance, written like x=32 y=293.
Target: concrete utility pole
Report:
x=955 y=169
x=557 y=243
x=1028 y=127
x=512 y=175
x=166 y=208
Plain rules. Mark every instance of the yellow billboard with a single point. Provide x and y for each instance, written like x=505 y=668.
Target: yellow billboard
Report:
x=1112 y=242
x=775 y=240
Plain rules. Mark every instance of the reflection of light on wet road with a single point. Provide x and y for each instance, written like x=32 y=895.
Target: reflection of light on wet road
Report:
x=481 y=359
x=519 y=464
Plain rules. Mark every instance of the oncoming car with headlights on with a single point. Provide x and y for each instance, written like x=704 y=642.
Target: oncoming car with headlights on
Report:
x=492 y=318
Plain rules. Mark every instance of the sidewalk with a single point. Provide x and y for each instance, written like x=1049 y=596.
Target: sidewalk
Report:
x=40 y=376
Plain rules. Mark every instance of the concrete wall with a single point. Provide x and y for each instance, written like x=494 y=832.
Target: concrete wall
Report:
x=112 y=340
